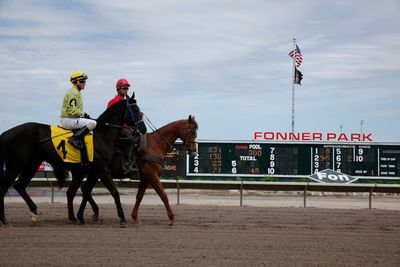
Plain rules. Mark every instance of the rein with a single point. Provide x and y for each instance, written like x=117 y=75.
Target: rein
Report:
x=155 y=129
x=130 y=113
x=117 y=125
x=52 y=137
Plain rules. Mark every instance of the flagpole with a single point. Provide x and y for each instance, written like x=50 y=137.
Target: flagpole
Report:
x=293 y=80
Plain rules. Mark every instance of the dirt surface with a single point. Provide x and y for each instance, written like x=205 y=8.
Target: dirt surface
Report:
x=204 y=235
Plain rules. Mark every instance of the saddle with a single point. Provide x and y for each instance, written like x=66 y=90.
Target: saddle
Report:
x=66 y=151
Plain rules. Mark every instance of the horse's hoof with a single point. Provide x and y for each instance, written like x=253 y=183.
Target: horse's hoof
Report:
x=34 y=218
x=95 y=217
x=5 y=224
x=82 y=221
x=75 y=221
x=123 y=224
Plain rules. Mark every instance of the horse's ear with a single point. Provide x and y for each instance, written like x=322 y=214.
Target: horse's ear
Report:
x=190 y=118
x=132 y=98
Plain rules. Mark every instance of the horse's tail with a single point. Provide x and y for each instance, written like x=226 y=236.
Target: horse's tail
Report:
x=61 y=176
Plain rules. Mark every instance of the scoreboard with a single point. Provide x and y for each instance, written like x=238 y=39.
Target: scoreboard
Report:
x=286 y=159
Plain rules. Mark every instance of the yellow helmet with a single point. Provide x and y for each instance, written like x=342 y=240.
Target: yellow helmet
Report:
x=77 y=76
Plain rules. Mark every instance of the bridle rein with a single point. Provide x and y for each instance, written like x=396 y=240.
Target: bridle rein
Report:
x=190 y=137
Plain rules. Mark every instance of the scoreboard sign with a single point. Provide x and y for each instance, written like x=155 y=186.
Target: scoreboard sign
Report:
x=330 y=176
x=294 y=159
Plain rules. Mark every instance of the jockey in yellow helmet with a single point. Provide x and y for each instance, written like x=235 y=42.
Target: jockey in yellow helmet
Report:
x=72 y=115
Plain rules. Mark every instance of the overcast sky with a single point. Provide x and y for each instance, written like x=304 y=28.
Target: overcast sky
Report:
x=224 y=61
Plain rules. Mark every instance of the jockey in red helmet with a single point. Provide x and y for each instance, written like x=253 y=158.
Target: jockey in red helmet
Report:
x=128 y=162
x=122 y=87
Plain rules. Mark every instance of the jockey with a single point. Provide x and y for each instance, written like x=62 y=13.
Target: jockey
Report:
x=72 y=115
x=122 y=87
x=127 y=160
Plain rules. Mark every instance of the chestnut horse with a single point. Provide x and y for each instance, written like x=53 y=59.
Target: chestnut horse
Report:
x=150 y=163
x=24 y=147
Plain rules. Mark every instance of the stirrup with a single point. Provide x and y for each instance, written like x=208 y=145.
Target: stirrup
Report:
x=130 y=171
x=75 y=143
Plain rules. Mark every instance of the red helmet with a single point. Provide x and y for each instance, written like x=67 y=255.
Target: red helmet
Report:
x=121 y=83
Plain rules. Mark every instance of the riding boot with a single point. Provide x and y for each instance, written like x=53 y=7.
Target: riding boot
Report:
x=127 y=158
x=76 y=139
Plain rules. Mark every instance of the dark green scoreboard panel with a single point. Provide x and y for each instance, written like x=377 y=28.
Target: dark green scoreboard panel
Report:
x=285 y=159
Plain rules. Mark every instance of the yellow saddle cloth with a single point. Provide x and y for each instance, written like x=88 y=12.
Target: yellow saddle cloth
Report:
x=65 y=150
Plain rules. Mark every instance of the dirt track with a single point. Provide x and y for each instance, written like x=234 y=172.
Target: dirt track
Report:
x=204 y=236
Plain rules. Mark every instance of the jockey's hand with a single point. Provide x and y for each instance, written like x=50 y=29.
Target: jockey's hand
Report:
x=86 y=116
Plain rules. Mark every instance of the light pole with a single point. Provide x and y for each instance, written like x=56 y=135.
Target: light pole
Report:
x=361 y=126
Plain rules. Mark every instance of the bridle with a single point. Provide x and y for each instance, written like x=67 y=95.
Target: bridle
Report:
x=190 y=137
x=128 y=116
x=128 y=112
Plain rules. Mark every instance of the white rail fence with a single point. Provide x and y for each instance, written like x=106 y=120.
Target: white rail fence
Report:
x=241 y=186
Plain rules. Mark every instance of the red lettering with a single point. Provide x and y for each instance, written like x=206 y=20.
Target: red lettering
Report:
x=257 y=135
x=355 y=137
x=330 y=136
x=367 y=137
x=317 y=136
x=294 y=136
x=283 y=136
x=342 y=137
x=269 y=135
x=311 y=136
x=305 y=136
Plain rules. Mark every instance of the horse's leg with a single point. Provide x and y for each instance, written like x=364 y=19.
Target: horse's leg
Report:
x=156 y=184
x=77 y=178
x=106 y=178
x=139 y=196
x=5 y=183
x=86 y=194
x=21 y=184
x=95 y=208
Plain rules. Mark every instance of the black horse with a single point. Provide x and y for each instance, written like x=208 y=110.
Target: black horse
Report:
x=24 y=147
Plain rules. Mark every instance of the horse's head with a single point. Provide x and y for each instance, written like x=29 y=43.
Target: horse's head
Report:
x=189 y=136
x=133 y=116
x=124 y=112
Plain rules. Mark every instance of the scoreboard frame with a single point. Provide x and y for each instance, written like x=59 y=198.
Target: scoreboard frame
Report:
x=294 y=159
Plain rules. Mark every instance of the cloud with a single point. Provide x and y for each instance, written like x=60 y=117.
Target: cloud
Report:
x=224 y=61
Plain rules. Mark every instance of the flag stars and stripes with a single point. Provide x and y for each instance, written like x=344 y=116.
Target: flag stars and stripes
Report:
x=296 y=55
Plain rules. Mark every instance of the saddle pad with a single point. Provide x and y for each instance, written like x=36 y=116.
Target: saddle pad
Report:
x=65 y=150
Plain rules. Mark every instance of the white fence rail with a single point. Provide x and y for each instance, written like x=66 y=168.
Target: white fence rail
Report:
x=247 y=185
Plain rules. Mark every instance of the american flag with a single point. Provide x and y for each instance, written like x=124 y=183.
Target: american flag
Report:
x=296 y=54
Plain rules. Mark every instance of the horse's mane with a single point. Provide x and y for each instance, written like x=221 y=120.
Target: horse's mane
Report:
x=111 y=110
x=183 y=121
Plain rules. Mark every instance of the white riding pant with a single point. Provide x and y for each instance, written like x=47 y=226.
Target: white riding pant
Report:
x=76 y=123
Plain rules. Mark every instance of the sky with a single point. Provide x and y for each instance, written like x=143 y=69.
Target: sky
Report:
x=224 y=61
